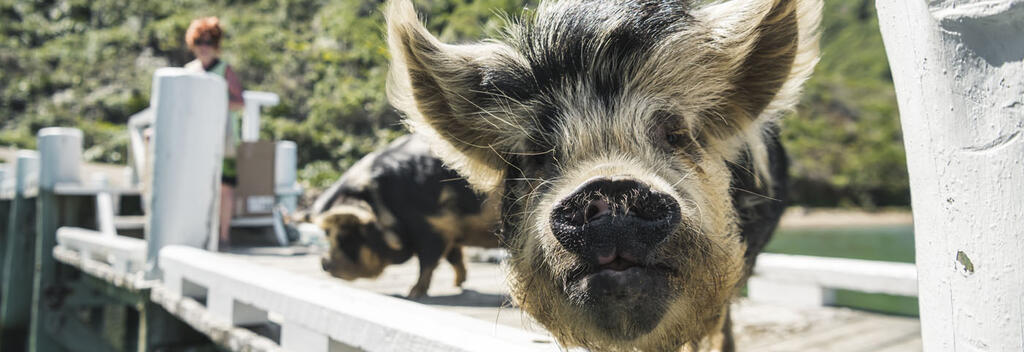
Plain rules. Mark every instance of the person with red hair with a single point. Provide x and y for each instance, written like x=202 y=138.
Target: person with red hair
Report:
x=203 y=38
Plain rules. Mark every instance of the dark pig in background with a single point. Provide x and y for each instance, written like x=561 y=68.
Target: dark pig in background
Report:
x=398 y=202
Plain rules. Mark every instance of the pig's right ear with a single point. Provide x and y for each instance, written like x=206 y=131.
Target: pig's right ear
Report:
x=437 y=86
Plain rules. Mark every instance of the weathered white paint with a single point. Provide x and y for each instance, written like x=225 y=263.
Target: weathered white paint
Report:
x=321 y=315
x=806 y=281
x=251 y=117
x=187 y=148
x=958 y=67
x=123 y=254
x=60 y=156
x=286 y=163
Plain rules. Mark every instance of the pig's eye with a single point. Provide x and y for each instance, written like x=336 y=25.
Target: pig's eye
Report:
x=539 y=158
x=673 y=136
x=674 y=139
x=680 y=141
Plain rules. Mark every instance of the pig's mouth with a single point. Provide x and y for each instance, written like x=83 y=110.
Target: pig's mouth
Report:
x=623 y=296
x=618 y=263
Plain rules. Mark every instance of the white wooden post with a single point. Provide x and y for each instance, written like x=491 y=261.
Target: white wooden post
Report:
x=60 y=163
x=26 y=171
x=958 y=67
x=285 y=165
x=104 y=205
x=251 y=116
x=190 y=110
x=60 y=153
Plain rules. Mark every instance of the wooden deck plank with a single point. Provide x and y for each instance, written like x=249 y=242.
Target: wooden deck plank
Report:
x=886 y=331
x=819 y=334
x=912 y=344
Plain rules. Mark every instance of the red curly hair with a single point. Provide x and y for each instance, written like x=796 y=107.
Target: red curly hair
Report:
x=204 y=31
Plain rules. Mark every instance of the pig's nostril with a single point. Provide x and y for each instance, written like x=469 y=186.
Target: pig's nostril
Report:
x=644 y=218
x=596 y=209
x=325 y=264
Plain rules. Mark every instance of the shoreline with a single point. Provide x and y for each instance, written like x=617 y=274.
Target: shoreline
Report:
x=801 y=217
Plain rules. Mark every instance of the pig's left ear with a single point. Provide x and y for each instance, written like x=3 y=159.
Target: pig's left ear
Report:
x=438 y=87
x=770 y=48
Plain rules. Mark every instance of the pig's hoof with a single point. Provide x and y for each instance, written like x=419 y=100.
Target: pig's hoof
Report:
x=417 y=292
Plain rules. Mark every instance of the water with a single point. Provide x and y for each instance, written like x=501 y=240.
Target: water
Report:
x=893 y=243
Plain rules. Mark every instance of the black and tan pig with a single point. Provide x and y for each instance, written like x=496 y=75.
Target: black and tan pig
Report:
x=400 y=202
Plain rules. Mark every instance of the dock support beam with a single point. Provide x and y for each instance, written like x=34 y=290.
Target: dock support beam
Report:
x=187 y=151
x=958 y=68
x=19 y=259
x=60 y=153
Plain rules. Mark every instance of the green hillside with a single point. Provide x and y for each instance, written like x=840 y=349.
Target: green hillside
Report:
x=89 y=63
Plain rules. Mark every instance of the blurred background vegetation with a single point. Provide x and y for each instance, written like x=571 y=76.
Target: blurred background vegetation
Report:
x=88 y=63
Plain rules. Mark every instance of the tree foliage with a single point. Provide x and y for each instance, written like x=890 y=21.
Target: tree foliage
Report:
x=88 y=63
x=845 y=143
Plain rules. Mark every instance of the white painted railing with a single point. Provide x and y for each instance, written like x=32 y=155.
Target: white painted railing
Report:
x=806 y=281
x=123 y=254
x=325 y=315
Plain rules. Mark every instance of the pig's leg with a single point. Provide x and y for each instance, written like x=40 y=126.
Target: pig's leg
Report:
x=455 y=258
x=429 y=256
x=728 y=345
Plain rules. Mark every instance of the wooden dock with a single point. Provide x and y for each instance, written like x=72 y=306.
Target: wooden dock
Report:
x=166 y=292
x=278 y=298
x=758 y=326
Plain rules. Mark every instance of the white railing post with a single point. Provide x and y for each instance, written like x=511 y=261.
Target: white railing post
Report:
x=137 y=125
x=26 y=171
x=190 y=112
x=285 y=165
x=60 y=156
x=105 y=211
x=251 y=116
x=958 y=69
x=60 y=163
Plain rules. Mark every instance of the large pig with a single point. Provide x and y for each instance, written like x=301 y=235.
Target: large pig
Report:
x=398 y=202
x=635 y=146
